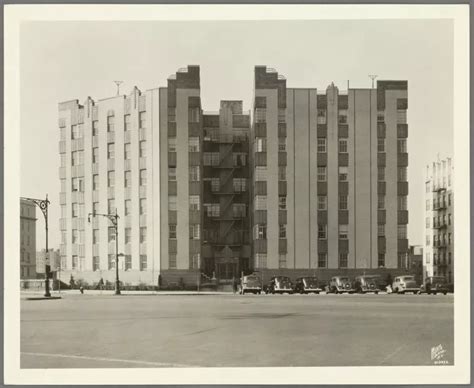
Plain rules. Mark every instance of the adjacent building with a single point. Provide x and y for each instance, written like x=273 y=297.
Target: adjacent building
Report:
x=415 y=262
x=308 y=181
x=54 y=261
x=439 y=223
x=27 y=240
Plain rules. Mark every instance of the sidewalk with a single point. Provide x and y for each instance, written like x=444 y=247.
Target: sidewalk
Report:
x=68 y=293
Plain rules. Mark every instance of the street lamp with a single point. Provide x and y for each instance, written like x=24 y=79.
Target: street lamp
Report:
x=114 y=219
x=43 y=205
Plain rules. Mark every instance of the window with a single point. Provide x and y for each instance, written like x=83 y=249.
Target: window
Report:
x=260 y=202
x=402 y=231
x=427 y=240
x=110 y=123
x=381 y=174
x=77 y=158
x=434 y=258
x=322 y=260
x=343 y=231
x=95 y=236
x=195 y=261
x=381 y=145
x=401 y=116
x=95 y=128
x=260 y=115
x=212 y=159
x=111 y=206
x=402 y=174
x=281 y=115
x=111 y=178
x=321 y=144
x=322 y=232
x=449 y=238
x=95 y=155
x=75 y=262
x=427 y=222
x=321 y=174
x=343 y=116
x=381 y=260
x=143 y=177
x=428 y=258
x=75 y=236
x=127 y=152
x=95 y=263
x=282 y=173
x=449 y=257
x=127 y=124
x=77 y=184
x=282 y=231
x=239 y=158
x=75 y=210
x=95 y=207
x=381 y=230
x=260 y=260
x=194 y=202
x=111 y=234
x=402 y=203
x=282 y=202
x=128 y=207
x=215 y=185
x=427 y=204
x=402 y=145
x=342 y=260
x=172 y=231
x=282 y=144
x=212 y=209
x=380 y=116
x=343 y=173
x=260 y=232
x=240 y=184
x=172 y=202
x=195 y=232
x=381 y=202
x=111 y=261
x=172 y=261
x=172 y=115
x=171 y=144
x=343 y=146
x=193 y=144
x=110 y=150
x=77 y=131
x=260 y=144
x=282 y=260
x=194 y=174
x=343 y=202
x=127 y=181
x=321 y=116
x=127 y=264
x=171 y=173
x=322 y=202
x=239 y=210
x=128 y=235
x=142 y=234
x=449 y=199
x=142 y=205
x=142 y=119
x=449 y=219
x=260 y=173
x=194 y=115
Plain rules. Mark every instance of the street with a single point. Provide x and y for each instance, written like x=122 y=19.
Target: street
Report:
x=105 y=331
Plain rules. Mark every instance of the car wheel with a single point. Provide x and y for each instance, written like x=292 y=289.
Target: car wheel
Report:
x=376 y=292
x=435 y=293
x=444 y=293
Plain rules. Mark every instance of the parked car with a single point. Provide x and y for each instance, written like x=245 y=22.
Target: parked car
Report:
x=405 y=283
x=340 y=284
x=435 y=284
x=251 y=283
x=366 y=283
x=279 y=285
x=306 y=285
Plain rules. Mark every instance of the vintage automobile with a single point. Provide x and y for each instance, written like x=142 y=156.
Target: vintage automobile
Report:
x=305 y=285
x=341 y=284
x=366 y=283
x=405 y=283
x=251 y=283
x=434 y=284
x=279 y=285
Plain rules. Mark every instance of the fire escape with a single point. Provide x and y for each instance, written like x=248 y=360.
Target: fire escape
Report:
x=439 y=224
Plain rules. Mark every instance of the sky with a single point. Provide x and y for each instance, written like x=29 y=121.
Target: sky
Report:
x=61 y=61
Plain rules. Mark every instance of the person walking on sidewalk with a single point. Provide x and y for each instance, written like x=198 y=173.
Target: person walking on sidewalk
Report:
x=234 y=285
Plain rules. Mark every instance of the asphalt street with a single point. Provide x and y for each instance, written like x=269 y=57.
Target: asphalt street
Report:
x=137 y=331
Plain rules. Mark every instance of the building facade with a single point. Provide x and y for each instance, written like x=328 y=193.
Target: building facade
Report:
x=415 y=262
x=54 y=262
x=308 y=182
x=439 y=222
x=27 y=240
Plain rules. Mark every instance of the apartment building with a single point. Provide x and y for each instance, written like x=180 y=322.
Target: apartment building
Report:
x=329 y=177
x=439 y=223
x=110 y=164
x=27 y=240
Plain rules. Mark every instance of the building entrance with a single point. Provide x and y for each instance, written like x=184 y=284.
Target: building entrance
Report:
x=227 y=271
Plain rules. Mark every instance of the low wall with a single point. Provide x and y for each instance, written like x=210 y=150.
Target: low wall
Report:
x=131 y=277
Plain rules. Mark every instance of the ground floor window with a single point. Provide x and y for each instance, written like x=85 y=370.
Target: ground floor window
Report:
x=342 y=260
x=172 y=261
x=143 y=263
x=260 y=260
x=381 y=260
x=282 y=260
x=322 y=260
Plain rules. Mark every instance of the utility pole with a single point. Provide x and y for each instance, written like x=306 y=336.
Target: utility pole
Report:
x=373 y=77
x=118 y=83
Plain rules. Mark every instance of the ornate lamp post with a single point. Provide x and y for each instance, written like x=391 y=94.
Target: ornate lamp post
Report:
x=114 y=219
x=43 y=205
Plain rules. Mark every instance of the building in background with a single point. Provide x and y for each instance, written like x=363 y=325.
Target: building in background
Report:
x=415 y=262
x=439 y=222
x=329 y=177
x=54 y=262
x=27 y=240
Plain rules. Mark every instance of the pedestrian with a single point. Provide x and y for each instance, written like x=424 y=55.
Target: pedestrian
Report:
x=100 y=285
x=81 y=288
x=234 y=285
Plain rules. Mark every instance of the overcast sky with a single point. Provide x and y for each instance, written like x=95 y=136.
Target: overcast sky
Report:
x=72 y=60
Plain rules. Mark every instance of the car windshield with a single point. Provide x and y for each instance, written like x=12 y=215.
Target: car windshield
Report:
x=283 y=280
x=252 y=279
x=408 y=278
x=438 y=279
x=311 y=282
x=344 y=279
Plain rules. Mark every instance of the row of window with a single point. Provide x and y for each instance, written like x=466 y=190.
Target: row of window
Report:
x=441 y=257
x=438 y=221
x=77 y=236
x=213 y=159
x=194 y=261
x=77 y=157
x=77 y=184
x=439 y=239
x=78 y=208
x=78 y=262
x=194 y=115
